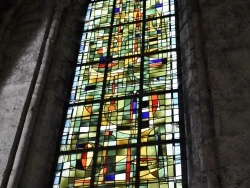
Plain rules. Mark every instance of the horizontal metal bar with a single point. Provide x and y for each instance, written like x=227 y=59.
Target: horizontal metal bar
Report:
x=131 y=56
x=135 y=145
x=129 y=23
x=145 y=94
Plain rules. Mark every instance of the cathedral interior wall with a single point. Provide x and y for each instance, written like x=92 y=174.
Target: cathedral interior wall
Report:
x=38 y=49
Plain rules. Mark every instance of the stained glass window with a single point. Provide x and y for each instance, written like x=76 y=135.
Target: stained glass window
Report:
x=122 y=125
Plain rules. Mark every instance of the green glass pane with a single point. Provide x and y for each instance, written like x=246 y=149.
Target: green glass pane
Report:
x=157 y=8
x=126 y=40
x=160 y=72
x=88 y=82
x=80 y=126
x=98 y=15
x=160 y=34
x=123 y=77
x=128 y=11
x=93 y=46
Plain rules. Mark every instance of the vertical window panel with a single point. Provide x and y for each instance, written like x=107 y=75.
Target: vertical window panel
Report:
x=122 y=126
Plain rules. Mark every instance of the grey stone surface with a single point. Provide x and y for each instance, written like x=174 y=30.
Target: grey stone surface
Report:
x=201 y=152
x=50 y=119
x=227 y=43
x=21 y=41
x=33 y=100
x=215 y=37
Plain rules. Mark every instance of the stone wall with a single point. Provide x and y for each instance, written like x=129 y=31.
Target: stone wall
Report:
x=215 y=42
x=51 y=113
x=38 y=51
x=227 y=45
x=22 y=44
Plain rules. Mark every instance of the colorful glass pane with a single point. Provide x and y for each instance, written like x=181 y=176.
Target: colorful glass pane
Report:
x=122 y=126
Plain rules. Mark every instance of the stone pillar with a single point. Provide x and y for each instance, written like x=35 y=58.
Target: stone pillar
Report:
x=38 y=52
x=24 y=33
x=215 y=44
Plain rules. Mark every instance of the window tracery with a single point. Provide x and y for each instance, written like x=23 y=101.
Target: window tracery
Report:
x=122 y=127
